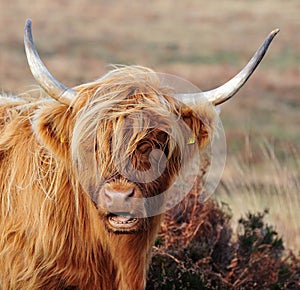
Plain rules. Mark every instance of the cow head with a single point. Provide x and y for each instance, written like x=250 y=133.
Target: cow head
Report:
x=128 y=134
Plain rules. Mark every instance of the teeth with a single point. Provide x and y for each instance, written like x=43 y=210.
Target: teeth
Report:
x=118 y=220
x=123 y=219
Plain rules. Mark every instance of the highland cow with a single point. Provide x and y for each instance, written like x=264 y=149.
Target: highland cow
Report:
x=78 y=165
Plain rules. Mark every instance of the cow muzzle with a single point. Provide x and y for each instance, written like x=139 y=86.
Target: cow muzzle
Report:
x=122 y=201
x=122 y=206
x=117 y=201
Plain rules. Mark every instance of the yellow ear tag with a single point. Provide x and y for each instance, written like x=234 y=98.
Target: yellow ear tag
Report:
x=62 y=139
x=191 y=140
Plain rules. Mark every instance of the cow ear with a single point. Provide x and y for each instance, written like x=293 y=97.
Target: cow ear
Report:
x=201 y=121
x=52 y=126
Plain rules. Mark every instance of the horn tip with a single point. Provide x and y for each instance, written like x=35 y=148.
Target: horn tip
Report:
x=27 y=30
x=275 y=31
x=28 y=23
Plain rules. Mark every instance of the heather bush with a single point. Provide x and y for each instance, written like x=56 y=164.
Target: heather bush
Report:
x=197 y=249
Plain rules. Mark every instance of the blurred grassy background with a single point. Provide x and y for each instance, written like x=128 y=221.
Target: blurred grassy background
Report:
x=205 y=42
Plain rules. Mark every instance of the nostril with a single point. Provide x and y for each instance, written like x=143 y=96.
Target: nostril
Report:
x=108 y=197
x=130 y=193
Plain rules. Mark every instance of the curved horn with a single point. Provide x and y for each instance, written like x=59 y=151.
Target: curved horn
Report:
x=52 y=87
x=225 y=92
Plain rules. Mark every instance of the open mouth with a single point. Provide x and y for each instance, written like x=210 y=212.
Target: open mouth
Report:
x=122 y=221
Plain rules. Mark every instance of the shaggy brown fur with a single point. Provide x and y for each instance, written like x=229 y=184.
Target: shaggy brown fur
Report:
x=55 y=162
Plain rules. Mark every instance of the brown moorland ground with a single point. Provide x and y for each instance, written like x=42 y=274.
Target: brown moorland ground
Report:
x=205 y=42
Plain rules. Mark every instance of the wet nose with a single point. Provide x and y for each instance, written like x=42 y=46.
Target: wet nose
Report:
x=115 y=198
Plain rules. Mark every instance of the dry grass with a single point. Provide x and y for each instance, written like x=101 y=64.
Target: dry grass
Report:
x=258 y=180
x=205 y=42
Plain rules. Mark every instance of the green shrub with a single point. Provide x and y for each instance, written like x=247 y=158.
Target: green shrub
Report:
x=195 y=250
